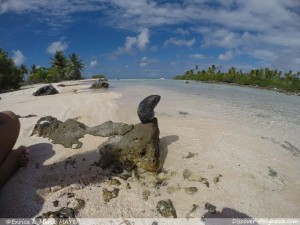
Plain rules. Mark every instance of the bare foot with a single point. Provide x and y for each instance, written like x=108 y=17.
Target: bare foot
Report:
x=15 y=159
x=22 y=154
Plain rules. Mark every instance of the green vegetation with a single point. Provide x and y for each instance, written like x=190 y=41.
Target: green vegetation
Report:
x=11 y=76
x=62 y=68
x=74 y=67
x=98 y=76
x=265 y=78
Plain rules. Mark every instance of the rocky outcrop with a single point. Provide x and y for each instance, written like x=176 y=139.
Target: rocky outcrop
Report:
x=146 y=107
x=100 y=84
x=66 y=133
x=137 y=148
x=128 y=147
x=109 y=128
x=46 y=90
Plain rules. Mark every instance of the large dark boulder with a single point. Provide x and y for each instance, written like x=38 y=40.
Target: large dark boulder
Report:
x=100 y=84
x=146 y=107
x=66 y=133
x=137 y=148
x=46 y=90
x=109 y=128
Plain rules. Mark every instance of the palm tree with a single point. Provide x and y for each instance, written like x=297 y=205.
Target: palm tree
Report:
x=23 y=70
x=59 y=63
x=33 y=69
x=74 y=67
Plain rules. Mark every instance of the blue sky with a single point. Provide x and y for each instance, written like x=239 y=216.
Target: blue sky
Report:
x=153 y=38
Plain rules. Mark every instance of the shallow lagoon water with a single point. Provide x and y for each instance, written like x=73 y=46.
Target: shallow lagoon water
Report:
x=270 y=113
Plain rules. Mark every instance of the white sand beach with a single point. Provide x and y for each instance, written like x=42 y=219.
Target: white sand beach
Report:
x=232 y=150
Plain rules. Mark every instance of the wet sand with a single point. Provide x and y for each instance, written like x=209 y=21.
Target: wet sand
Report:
x=249 y=175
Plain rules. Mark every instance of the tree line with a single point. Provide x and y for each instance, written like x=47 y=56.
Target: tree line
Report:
x=62 y=68
x=266 y=78
x=11 y=76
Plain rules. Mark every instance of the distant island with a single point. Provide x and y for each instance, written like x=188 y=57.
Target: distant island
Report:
x=264 y=78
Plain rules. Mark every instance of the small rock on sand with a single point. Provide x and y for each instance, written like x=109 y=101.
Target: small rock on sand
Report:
x=191 y=190
x=166 y=208
x=146 y=194
x=272 y=172
x=187 y=173
x=108 y=195
x=172 y=189
x=216 y=180
x=211 y=208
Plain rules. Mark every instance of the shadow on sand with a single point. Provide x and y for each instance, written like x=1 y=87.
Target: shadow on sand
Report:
x=227 y=216
x=22 y=195
x=164 y=142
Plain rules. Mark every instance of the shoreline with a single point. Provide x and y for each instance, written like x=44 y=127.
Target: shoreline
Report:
x=250 y=86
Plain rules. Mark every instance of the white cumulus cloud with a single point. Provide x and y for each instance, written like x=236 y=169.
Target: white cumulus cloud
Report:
x=18 y=57
x=145 y=61
x=93 y=63
x=140 y=42
x=180 y=42
x=227 y=56
x=196 y=56
x=57 y=46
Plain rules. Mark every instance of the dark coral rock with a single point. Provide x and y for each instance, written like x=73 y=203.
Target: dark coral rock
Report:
x=211 y=208
x=191 y=190
x=172 y=189
x=140 y=147
x=272 y=172
x=64 y=212
x=80 y=204
x=146 y=194
x=216 y=180
x=55 y=203
x=125 y=176
x=108 y=195
x=100 y=84
x=186 y=173
x=46 y=90
x=114 y=182
x=146 y=107
x=190 y=155
x=204 y=181
x=166 y=208
x=66 y=133
x=109 y=128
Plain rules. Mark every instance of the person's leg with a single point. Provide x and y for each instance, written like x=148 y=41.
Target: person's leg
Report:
x=10 y=160
x=15 y=159
x=9 y=132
